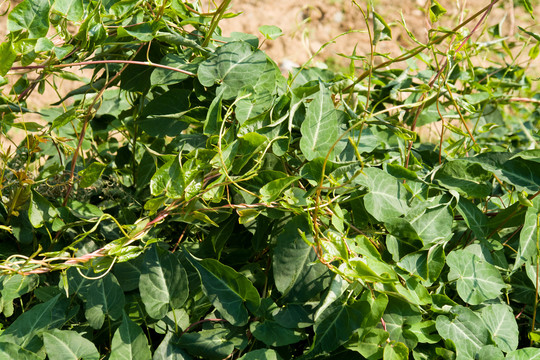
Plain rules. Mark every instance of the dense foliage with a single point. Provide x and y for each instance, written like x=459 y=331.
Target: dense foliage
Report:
x=189 y=202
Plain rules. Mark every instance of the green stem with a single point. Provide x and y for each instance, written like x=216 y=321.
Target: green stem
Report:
x=215 y=21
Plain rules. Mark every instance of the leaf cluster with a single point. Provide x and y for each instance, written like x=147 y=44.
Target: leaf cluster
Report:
x=188 y=201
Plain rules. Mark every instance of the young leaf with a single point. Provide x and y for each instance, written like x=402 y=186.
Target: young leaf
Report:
x=129 y=342
x=32 y=16
x=7 y=57
x=321 y=127
x=72 y=9
x=436 y=11
x=381 y=30
x=163 y=283
x=67 y=345
x=270 y=32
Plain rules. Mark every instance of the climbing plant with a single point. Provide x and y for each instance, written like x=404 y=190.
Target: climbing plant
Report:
x=189 y=201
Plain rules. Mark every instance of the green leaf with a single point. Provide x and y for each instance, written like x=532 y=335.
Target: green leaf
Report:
x=522 y=173
x=399 y=317
x=261 y=354
x=291 y=254
x=162 y=116
x=40 y=210
x=416 y=264
x=272 y=190
x=208 y=344
x=68 y=345
x=528 y=353
x=163 y=283
x=433 y=220
x=162 y=76
x=436 y=11
x=466 y=330
x=32 y=16
x=502 y=325
x=72 y=9
x=475 y=219
x=425 y=332
x=228 y=290
x=17 y=285
x=336 y=325
x=13 y=351
x=270 y=32
x=396 y=351
x=129 y=342
x=7 y=57
x=321 y=127
x=387 y=198
x=104 y=297
x=529 y=236
x=477 y=280
x=381 y=30
x=273 y=334
x=468 y=179
x=142 y=32
x=528 y=7
x=91 y=174
x=169 y=178
x=168 y=349
x=233 y=66
x=25 y=329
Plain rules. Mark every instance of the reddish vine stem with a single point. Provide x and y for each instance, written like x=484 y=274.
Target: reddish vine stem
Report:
x=92 y=62
x=200 y=322
x=83 y=132
x=419 y=49
x=484 y=12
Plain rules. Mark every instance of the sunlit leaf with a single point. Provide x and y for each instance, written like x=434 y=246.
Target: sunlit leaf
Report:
x=477 y=280
x=31 y=16
x=67 y=345
x=163 y=282
x=466 y=330
x=129 y=342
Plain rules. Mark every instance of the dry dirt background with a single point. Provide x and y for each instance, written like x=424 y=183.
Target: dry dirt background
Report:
x=307 y=25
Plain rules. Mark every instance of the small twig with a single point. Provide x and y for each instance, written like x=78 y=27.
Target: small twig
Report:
x=200 y=322
x=92 y=62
